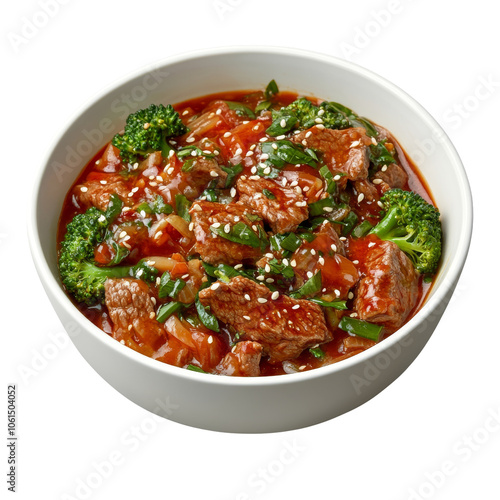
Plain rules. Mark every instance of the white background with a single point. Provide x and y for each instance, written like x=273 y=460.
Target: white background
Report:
x=431 y=434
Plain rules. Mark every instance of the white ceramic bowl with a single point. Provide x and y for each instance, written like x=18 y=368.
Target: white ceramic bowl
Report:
x=246 y=404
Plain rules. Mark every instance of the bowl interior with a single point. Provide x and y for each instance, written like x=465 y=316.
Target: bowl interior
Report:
x=215 y=71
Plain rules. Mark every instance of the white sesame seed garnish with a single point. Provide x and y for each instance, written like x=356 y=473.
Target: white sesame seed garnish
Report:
x=267 y=170
x=215 y=286
x=191 y=226
x=256 y=127
x=280 y=137
x=197 y=207
x=267 y=268
x=354 y=144
x=355 y=262
x=236 y=218
x=321 y=261
x=293 y=263
x=374 y=141
x=333 y=247
x=122 y=234
x=158 y=234
x=210 y=339
x=213 y=173
x=302 y=367
x=274 y=145
x=361 y=197
x=321 y=112
x=354 y=315
x=308 y=134
x=129 y=327
x=232 y=192
x=350 y=295
x=269 y=255
x=327 y=209
x=194 y=152
x=371 y=244
x=298 y=189
x=261 y=278
x=309 y=274
x=158 y=280
x=84 y=189
x=283 y=123
x=254 y=227
x=275 y=295
x=313 y=252
x=301 y=203
x=264 y=156
x=343 y=238
x=263 y=139
x=247 y=297
x=238 y=152
x=170 y=170
x=247 y=318
x=216 y=152
x=227 y=134
x=269 y=280
x=134 y=190
x=249 y=153
x=254 y=178
x=151 y=315
x=245 y=122
x=304 y=142
x=384 y=168
x=218 y=112
x=320 y=127
x=216 y=225
x=153 y=184
x=227 y=228
x=295 y=307
x=337 y=292
x=135 y=166
x=253 y=170
x=103 y=182
x=285 y=262
x=377 y=181
x=318 y=120
x=190 y=139
x=102 y=218
x=261 y=300
x=238 y=266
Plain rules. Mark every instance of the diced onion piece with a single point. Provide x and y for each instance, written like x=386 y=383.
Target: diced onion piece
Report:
x=180 y=225
x=187 y=294
x=174 y=326
x=162 y=263
x=290 y=367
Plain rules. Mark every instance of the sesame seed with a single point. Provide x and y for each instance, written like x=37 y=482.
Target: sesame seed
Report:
x=129 y=327
x=285 y=262
x=321 y=112
x=283 y=182
x=263 y=139
x=261 y=300
x=134 y=190
x=190 y=139
x=321 y=261
x=194 y=152
x=247 y=297
x=249 y=153
x=238 y=152
x=253 y=170
x=327 y=209
x=197 y=207
x=153 y=184
x=227 y=134
x=298 y=189
x=283 y=123
x=135 y=166
x=232 y=192
x=320 y=127
x=361 y=197
x=384 y=168
x=354 y=315
x=371 y=244
x=355 y=262
x=247 y=318
x=295 y=307
x=308 y=134
x=210 y=339
x=275 y=295
x=350 y=295
x=245 y=122
x=294 y=183
x=377 y=181
x=256 y=127
x=267 y=268
x=318 y=120
x=103 y=182
x=274 y=145
x=101 y=218
x=158 y=234
x=313 y=252
x=254 y=178
x=269 y=280
x=238 y=266
x=305 y=189
x=216 y=225
x=343 y=238
x=354 y=144
x=216 y=152
x=380 y=204
x=151 y=315
x=302 y=367
x=191 y=226
x=170 y=170
x=151 y=177
x=264 y=156
x=227 y=228
x=267 y=170
x=304 y=142
x=261 y=278
x=213 y=173
x=253 y=146
x=122 y=234
x=215 y=286
x=236 y=218
x=254 y=227
x=84 y=189
x=310 y=274
x=374 y=141
x=337 y=292
x=158 y=280
x=218 y=112
x=293 y=263
x=280 y=137
x=300 y=203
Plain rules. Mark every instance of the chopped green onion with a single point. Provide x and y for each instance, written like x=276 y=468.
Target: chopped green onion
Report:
x=317 y=352
x=239 y=233
x=291 y=242
x=114 y=208
x=166 y=310
x=232 y=172
x=362 y=229
x=268 y=194
x=195 y=368
x=240 y=109
x=206 y=317
x=271 y=89
x=182 y=206
x=282 y=152
x=169 y=287
x=318 y=207
x=331 y=185
x=210 y=194
x=361 y=328
x=349 y=222
x=336 y=304
x=282 y=125
x=311 y=287
x=263 y=106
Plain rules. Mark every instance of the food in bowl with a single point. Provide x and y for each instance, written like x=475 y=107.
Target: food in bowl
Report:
x=249 y=234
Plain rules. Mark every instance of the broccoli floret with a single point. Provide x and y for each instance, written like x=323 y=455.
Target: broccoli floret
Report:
x=147 y=130
x=79 y=272
x=303 y=114
x=414 y=225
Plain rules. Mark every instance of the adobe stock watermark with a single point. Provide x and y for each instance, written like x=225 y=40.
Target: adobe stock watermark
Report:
x=266 y=475
x=129 y=442
x=462 y=451
x=41 y=358
x=365 y=33
x=485 y=87
x=77 y=155
x=31 y=25
x=223 y=7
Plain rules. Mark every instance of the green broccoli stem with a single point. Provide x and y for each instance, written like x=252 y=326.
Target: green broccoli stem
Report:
x=101 y=273
x=388 y=228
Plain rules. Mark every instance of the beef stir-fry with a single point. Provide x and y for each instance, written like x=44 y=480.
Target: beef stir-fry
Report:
x=249 y=233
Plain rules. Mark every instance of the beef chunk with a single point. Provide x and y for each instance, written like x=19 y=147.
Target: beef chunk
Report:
x=216 y=249
x=200 y=171
x=344 y=151
x=97 y=192
x=243 y=360
x=366 y=188
x=132 y=312
x=392 y=177
x=283 y=326
x=389 y=290
x=283 y=207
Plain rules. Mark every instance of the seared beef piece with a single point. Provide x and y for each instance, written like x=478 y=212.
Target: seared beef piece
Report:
x=243 y=360
x=284 y=212
x=344 y=151
x=393 y=177
x=284 y=326
x=97 y=194
x=216 y=249
x=367 y=188
x=132 y=312
x=173 y=352
x=389 y=291
x=202 y=171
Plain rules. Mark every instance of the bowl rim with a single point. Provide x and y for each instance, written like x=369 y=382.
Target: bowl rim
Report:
x=432 y=303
